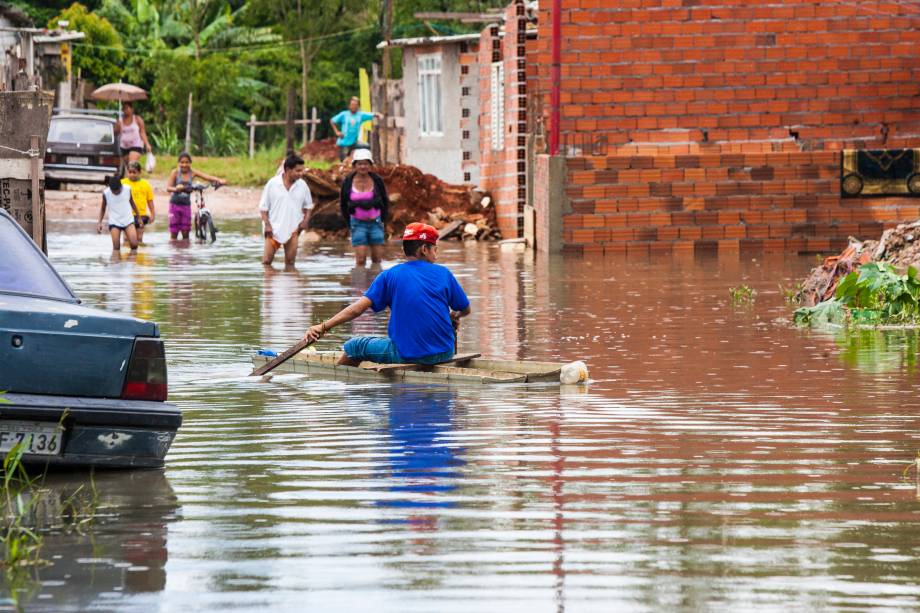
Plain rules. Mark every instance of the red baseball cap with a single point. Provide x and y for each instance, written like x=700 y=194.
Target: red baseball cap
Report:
x=418 y=231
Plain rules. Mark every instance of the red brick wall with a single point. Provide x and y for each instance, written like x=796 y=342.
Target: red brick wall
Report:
x=503 y=172
x=718 y=123
x=666 y=71
x=760 y=201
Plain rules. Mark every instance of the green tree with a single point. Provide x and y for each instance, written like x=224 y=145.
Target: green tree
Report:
x=211 y=77
x=309 y=24
x=100 y=55
x=42 y=10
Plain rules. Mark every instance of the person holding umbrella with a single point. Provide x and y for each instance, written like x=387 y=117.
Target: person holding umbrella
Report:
x=132 y=134
x=130 y=128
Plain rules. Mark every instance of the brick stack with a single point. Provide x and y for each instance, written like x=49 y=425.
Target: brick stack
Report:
x=718 y=123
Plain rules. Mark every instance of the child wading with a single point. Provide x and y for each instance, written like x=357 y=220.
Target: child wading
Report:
x=179 y=184
x=142 y=194
x=116 y=199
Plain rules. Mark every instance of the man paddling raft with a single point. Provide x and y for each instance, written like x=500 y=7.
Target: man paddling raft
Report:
x=426 y=304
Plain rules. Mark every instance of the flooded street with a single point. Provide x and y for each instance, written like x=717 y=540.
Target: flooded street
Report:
x=719 y=459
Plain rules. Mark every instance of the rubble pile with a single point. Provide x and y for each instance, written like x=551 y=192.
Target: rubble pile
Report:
x=457 y=211
x=899 y=246
x=324 y=149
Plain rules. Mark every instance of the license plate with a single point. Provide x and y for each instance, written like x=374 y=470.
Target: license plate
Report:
x=77 y=159
x=41 y=438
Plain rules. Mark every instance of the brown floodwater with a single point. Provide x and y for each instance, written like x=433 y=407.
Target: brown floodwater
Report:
x=719 y=459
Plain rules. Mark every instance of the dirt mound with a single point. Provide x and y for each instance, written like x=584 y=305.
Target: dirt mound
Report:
x=320 y=150
x=898 y=246
x=414 y=196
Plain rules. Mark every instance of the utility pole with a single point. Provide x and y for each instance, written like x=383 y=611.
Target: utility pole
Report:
x=289 y=119
x=188 y=116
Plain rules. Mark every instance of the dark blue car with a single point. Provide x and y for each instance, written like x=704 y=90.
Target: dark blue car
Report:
x=83 y=386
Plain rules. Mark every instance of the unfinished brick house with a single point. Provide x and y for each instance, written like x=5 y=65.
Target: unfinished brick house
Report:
x=696 y=124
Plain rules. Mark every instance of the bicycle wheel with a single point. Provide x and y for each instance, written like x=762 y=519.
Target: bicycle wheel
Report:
x=212 y=229
x=199 y=228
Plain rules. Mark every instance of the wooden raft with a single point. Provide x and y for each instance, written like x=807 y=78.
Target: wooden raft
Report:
x=463 y=368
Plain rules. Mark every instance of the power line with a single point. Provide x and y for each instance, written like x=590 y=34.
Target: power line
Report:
x=204 y=50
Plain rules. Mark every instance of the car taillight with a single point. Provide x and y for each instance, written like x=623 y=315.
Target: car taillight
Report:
x=109 y=160
x=50 y=158
x=146 y=379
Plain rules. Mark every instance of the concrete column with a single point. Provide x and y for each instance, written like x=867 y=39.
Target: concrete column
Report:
x=549 y=202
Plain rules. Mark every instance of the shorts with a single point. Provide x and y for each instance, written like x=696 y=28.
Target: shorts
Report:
x=345 y=151
x=126 y=150
x=366 y=232
x=180 y=218
x=142 y=218
x=122 y=228
x=382 y=350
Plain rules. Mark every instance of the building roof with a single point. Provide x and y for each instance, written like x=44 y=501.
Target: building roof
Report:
x=429 y=40
x=59 y=36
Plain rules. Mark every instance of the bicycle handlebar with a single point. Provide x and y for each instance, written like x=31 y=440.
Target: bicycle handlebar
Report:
x=200 y=187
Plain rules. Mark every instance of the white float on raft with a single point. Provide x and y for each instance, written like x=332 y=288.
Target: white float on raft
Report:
x=476 y=370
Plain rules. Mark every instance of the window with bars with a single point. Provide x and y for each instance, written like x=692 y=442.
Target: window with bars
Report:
x=497 y=105
x=429 y=95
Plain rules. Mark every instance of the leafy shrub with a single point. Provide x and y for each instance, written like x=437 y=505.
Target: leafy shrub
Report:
x=874 y=294
x=166 y=140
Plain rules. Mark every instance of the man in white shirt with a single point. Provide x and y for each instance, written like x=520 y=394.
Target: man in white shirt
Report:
x=285 y=209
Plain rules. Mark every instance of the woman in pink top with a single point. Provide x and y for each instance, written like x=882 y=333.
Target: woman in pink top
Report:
x=365 y=205
x=132 y=135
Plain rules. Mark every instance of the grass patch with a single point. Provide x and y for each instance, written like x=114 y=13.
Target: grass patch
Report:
x=238 y=170
x=742 y=295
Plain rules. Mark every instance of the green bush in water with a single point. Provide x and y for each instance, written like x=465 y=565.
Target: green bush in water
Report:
x=875 y=294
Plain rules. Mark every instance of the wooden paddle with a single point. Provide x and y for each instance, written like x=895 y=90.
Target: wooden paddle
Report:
x=281 y=359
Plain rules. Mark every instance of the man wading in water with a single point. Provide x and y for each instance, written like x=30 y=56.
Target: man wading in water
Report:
x=285 y=209
x=426 y=303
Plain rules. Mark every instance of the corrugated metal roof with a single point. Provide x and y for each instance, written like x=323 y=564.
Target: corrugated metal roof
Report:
x=61 y=36
x=429 y=40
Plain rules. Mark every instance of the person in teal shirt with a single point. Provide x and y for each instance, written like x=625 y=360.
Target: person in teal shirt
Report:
x=347 y=127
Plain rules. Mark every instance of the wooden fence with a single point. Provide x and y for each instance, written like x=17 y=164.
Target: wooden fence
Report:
x=253 y=123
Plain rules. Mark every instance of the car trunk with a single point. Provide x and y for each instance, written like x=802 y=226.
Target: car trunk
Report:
x=73 y=154
x=61 y=348
x=81 y=141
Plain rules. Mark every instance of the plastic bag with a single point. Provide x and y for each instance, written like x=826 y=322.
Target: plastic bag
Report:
x=151 y=162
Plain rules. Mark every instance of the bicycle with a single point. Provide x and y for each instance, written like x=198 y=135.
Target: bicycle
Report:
x=204 y=221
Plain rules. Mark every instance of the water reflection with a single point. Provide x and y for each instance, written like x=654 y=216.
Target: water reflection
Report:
x=721 y=459
x=422 y=463
x=879 y=350
x=120 y=553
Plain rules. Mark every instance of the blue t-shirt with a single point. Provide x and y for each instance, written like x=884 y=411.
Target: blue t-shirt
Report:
x=350 y=125
x=420 y=296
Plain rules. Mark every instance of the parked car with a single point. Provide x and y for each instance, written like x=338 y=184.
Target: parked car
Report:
x=81 y=149
x=83 y=386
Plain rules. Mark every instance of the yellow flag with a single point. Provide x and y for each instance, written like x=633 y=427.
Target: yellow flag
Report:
x=66 y=58
x=364 y=90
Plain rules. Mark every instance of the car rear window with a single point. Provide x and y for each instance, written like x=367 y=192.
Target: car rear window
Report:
x=81 y=131
x=23 y=269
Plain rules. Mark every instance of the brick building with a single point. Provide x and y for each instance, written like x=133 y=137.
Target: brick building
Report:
x=439 y=130
x=682 y=124
x=700 y=124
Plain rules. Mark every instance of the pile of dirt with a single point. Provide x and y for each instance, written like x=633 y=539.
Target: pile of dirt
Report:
x=324 y=149
x=414 y=196
x=899 y=246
